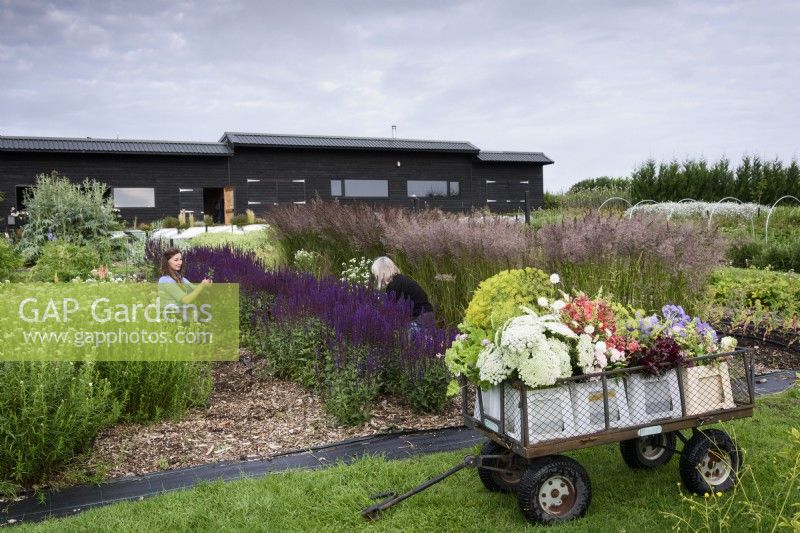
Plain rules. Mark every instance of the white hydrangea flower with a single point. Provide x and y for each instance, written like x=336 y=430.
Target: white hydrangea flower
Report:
x=555 y=278
x=542 y=301
x=558 y=305
x=492 y=367
x=589 y=329
x=560 y=350
x=539 y=372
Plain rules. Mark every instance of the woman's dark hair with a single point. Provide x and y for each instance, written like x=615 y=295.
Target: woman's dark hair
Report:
x=164 y=268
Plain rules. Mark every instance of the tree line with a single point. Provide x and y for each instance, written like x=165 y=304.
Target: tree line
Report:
x=752 y=180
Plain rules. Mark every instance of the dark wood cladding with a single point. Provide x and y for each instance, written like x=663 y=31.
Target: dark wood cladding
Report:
x=167 y=174
x=265 y=176
x=508 y=191
x=318 y=167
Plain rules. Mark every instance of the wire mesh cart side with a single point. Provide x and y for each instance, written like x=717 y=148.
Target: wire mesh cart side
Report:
x=647 y=414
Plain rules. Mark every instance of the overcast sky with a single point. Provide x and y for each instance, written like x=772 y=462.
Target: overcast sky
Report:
x=599 y=86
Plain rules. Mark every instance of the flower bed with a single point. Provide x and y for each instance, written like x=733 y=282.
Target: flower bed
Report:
x=347 y=340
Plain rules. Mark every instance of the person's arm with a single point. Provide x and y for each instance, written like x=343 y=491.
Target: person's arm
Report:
x=192 y=296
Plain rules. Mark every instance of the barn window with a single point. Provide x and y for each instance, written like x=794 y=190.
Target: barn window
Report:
x=134 y=197
x=336 y=187
x=426 y=188
x=366 y=188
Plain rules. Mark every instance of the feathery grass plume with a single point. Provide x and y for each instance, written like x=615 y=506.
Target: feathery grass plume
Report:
x=470 y=249
x=642 y=261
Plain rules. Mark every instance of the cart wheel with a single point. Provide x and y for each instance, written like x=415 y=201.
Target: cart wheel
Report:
x=497 y=481
x=554 y=489
x=648 y=452
x=710 y=462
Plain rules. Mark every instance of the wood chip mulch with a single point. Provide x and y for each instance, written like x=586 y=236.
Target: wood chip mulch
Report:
x=249 y=416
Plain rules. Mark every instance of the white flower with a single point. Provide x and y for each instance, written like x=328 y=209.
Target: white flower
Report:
x=585 y=353
x=542 y=301
x=539 y=372
x=558 y=305
x=601 y=359
x=554 y=279
x=600 y=347
x=589 y=330
x=492 y=367
x=560 y=350
x=616 y=355
x=727 y=344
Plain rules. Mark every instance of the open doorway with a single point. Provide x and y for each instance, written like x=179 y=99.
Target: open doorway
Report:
x=218 y=204
x=21 y=190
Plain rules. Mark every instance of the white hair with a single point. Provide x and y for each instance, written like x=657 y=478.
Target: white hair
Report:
x=384 y=270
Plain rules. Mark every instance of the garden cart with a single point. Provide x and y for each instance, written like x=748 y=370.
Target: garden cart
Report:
x=647 y=414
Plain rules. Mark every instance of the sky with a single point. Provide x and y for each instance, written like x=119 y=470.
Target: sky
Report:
x=598 y=86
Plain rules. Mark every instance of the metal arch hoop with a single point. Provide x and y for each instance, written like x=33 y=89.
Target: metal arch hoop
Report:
x=685 y=200
x=766 y=226
x=611 y=199
x=639 y=203
x=716 y=205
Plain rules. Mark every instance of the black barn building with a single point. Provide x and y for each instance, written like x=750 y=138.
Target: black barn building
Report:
x=153 y=179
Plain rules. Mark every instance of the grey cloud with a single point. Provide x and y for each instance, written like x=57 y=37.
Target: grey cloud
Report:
x=598 y=86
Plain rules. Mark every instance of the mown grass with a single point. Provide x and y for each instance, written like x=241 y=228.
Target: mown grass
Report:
x=261 y=242
x=330 y=499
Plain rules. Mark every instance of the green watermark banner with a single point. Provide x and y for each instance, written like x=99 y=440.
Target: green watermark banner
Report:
x=119 y=322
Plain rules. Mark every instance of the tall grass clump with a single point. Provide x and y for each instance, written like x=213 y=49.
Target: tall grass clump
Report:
x=338 y=231
x=450 y=256
x=643 y=262
x=49 y=413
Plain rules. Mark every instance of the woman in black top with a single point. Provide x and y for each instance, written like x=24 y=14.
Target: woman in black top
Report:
x=388 y=277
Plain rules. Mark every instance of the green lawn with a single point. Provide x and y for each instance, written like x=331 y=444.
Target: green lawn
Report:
x=330 y=499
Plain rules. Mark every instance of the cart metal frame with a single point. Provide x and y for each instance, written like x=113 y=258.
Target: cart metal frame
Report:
x=536 y=455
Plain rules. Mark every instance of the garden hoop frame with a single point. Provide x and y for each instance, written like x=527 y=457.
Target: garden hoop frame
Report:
x=717 y=204
x=612 y=199
x=769 y=214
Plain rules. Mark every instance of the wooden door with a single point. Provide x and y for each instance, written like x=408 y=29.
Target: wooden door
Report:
x=228 y=200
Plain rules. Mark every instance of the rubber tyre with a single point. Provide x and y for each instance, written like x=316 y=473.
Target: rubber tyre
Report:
x=497 y=481
x=566 y=483
x=710 y=462
x=637 y=454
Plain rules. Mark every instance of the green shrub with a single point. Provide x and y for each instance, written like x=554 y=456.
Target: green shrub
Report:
x=297 y=352
x=349 y=396
x=170 y=222
x=734 y=288
x=781 y=256
x=65 y=261
x=80 y=214
x=551 y=201
x=498 y=298
x=427 y=389
x=49 y=412
x=746 y=253
x=151 y=390
x=240 y=220
x=10 y=260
